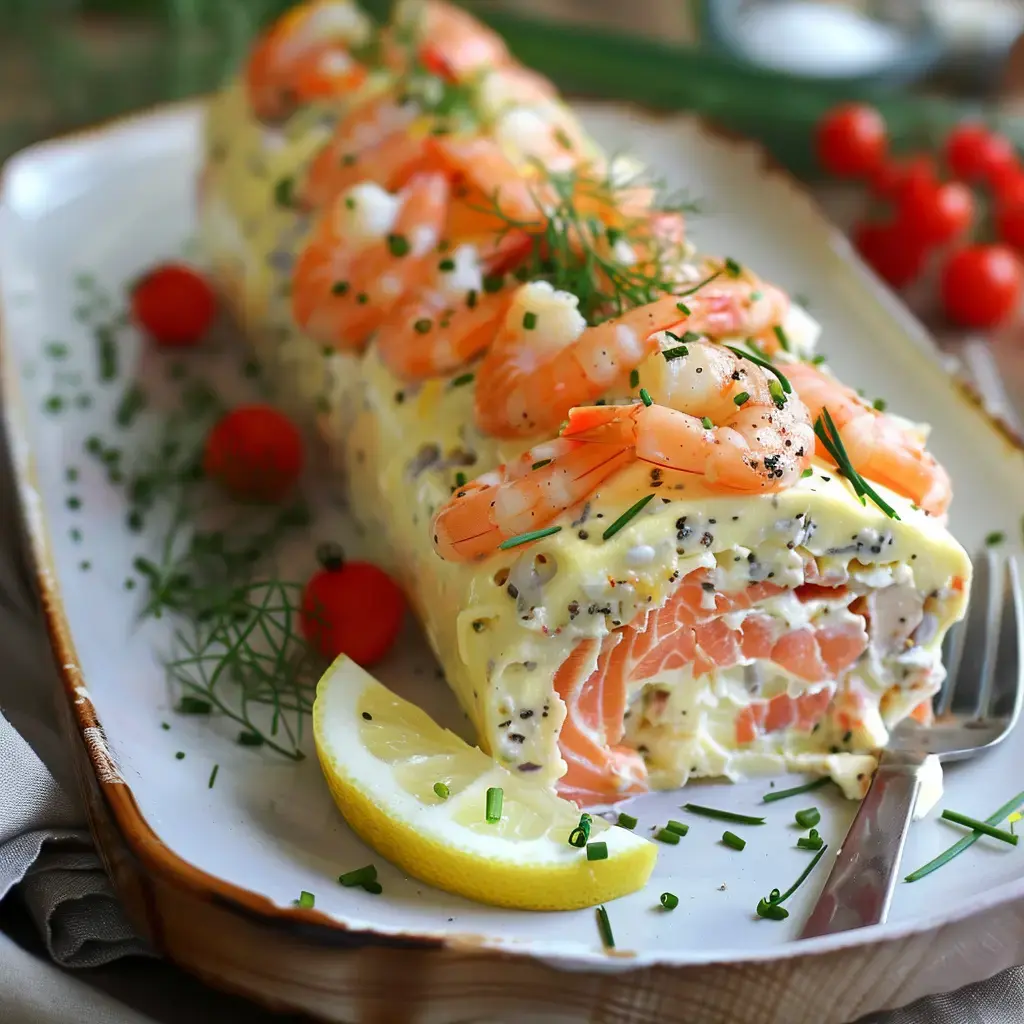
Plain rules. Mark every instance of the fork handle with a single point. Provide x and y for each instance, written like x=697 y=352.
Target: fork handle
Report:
x=860 y=887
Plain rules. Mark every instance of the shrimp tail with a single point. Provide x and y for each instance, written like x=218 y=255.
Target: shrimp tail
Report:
x=608 y=424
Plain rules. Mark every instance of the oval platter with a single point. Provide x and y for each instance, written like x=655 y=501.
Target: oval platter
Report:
x=210 y=872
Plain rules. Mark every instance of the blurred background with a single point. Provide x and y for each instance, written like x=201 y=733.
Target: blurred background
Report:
x=766 y=68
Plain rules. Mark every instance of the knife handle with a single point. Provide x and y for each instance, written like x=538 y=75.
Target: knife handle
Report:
x=860 y=886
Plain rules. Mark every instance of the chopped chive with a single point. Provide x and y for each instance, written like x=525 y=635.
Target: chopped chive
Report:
x=132 y=403
x=683 y=308
x=339 y=287
x=764 y=364
x=398 y=245
x=626 y=516
x=441 y=790
x=374 y=888
x=810 y=843
x=664 y=835
x=362 y=298
x=808 y=818
x=422 y=326
x=962 y=844
x=783 y=337
x=471 y=297
x=283 y=191
x=879 y=404
x=706 y=422
x=460 y=479
x=597 y=851
x=712 y=812
x=525 y=538
x=626 y=821
x=826 y=432
x=541 y=464
x=691 y=337
x=106 y=348
x=676 y=353
x=446 y=266
x=807 y=787
x=180 y=755
x=994 y=538
x=306 y=900
x=680 y=828
x=493 y=282
x=213 y=776
x=529 y=321
x=980 y=826
x=193 y=706
x=733 y=267
x=359 y=876
x=348 y=159
x=756 y=295
x=742 y=398
x=669 y=900
x=645 y=397
x=604 y=926
x=634 y=378
x=250 y=739
x=805 y=474
x=771 y=907
x=463 y=378
x=580 y=835
x=733 y=840
x=495 y=797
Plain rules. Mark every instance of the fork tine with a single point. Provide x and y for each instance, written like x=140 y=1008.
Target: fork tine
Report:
x=1008 y=688
x=960 y=648
x=970 y=683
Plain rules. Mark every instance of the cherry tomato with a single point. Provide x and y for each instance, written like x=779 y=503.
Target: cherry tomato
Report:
x=894 y=254
x=1009 y=188
x=174 y=305
x=255 y=453
x=351 y=608
x=936 y=213
x=1009 y=222
x=981 y=285
x=851 y=141
x=893 y=177
x=976 y=154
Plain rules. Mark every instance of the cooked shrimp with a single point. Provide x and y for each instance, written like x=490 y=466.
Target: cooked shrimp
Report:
x=445 y=324
x=880 y=447
x=545 y=359
x=367 y=250
x=370 y=143
x=722 y=418
x=524 y=495
x=447 y=40
x=304 y=55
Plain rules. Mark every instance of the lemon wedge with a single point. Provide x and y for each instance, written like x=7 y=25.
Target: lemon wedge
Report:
x=383 y=757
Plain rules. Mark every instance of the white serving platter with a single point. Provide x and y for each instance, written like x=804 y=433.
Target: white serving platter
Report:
x=111 y=203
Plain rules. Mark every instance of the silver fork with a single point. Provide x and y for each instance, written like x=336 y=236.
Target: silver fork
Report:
x=976 y=709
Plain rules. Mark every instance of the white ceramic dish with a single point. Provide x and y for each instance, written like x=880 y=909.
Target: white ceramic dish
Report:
x=117 y=200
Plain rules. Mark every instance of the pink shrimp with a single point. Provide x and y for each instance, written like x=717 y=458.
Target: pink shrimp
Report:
x=355 y=267
x=724 y=418
x=880 y=447
x=305 y=55
x=522 y=496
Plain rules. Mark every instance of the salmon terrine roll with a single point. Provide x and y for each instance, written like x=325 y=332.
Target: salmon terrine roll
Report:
x=648 y=534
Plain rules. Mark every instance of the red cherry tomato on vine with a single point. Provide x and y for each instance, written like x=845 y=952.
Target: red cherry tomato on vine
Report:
x=174 y=305
x=976 y=154
x=894 y=254
x=351 y=608
x=255 y=453
x=1009 y=222
x=936 y=213
x=1009 y=189
x=893 y=177
x=981 y=285
x=851 y=140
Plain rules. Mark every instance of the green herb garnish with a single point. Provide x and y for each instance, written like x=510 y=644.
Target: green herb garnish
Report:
x=580 y=835
x=679 y=827
x=669 y=900
x=807 y=787
x=359 y=876
x=441 y=790
x=808 y=818
x=626 y=516
x=980 y=826
x=772 y=906
x=597 y=851
x=826 y=432
x=665 y=835
x=213 y=776
x=734 y=841
x=604 y=926
x=766 y=365
x=306 y=900
x=712 y=812
x=626 y=821
x=495 y=798
x=526 y=538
